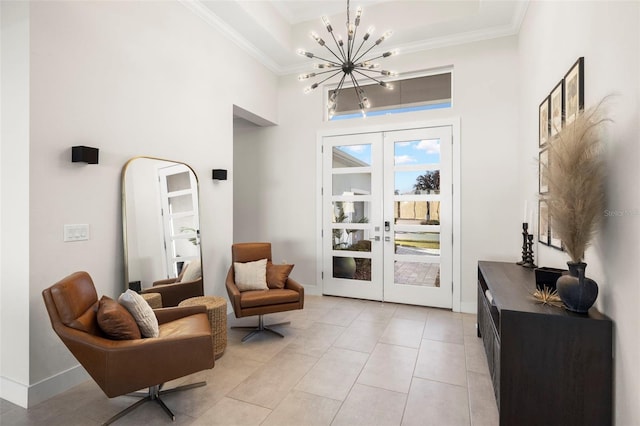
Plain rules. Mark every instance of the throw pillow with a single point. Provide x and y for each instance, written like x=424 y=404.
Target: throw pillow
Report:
x=277 y=275
x=251 y=275
x=193 y=271
x=142 y=313
x=115 y=321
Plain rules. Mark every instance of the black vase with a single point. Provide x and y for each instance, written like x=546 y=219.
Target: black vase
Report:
x=577 y=292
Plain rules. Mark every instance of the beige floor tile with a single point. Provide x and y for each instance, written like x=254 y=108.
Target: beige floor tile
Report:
x=378 y=312
x=369 y=406
x=436 y=403
x=334 y=374
x=389 y=367
x=416 y=313
x=271 y=383
x=317 y=341
x=230 y=412
x=469 y=324
x=360 y=336
x=444 y=328
x=482 y=402
x=442 y=361
x=228 y=373
x=403 y=332
x=261 y=347
x=301 y=408
x=475 y=355
x=342 y=315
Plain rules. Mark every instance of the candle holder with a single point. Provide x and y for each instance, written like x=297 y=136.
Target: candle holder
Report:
x=529 y=256
x=525 y=250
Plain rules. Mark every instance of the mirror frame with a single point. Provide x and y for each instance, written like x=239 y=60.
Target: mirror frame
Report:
x=123 y=199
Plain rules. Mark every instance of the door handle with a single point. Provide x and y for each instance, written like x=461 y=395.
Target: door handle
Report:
x=387 y=238
x=376 y=238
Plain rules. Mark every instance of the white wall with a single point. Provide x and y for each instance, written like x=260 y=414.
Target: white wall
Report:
x=130 y=78
x=280 y=202
x=14 y=199
x=607 y=34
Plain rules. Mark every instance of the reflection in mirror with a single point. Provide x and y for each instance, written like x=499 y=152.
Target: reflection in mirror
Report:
x=160 y=220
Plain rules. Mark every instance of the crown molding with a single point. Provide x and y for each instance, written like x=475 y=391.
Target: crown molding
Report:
x=210 y=18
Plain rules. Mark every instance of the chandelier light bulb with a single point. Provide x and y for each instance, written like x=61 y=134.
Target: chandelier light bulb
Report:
x=303 y=77
x=370 y=31
x=327 y=24
x=340 y=42
x=358 y=15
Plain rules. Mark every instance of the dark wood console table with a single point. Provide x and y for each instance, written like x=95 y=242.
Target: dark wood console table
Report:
x=548 y=366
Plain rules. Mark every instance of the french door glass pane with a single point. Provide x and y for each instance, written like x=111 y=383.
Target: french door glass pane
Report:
x=351 y=156
x=350 y=212
x=417 y=182
x=418 y=243
x=417 y=212
x=425 y=151
x=180 y=204
x=351 y=184
x=354 y=268
x=418 y=274
x=178 y=182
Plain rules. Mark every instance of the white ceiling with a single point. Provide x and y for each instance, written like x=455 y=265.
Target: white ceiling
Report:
x=272 y=30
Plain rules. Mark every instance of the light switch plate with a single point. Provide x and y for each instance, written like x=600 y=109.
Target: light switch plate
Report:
x=79 y=232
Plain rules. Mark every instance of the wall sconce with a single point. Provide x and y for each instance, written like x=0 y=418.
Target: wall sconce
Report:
x=219 y=174
x=84 y=154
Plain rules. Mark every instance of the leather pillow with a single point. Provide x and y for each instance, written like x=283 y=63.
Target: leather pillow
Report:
x=277 y=275
x=251 y=275
x=115 y=321
x=142 y=313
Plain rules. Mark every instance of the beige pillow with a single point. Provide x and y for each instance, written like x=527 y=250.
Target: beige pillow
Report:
x=142 y=313
x=193 y=271
x=251 y=275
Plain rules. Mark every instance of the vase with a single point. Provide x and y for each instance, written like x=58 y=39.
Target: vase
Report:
x=344 y=267
x=577 y=292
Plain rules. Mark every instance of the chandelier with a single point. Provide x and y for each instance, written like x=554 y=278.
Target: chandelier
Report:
x=348 y=60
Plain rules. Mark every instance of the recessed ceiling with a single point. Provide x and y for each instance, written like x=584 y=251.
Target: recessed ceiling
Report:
x=272 y=31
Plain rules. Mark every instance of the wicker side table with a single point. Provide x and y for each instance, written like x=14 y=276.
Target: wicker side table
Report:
x=153 y=299
x=217 y=312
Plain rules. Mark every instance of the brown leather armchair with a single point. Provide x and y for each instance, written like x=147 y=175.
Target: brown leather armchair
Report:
x=122 y=366
x=260 y=302
x=174 y=290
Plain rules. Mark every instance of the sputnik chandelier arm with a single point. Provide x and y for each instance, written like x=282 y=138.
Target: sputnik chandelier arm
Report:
x=348 y=61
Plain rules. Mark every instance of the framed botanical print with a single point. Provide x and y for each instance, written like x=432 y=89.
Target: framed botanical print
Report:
x=543 y=163
x=543 y=119
x=543 y=222
x=557 y=108
x=574 y=91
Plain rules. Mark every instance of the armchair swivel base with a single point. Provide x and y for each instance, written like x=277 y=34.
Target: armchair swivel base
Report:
x=153 y=395
x=261 y=327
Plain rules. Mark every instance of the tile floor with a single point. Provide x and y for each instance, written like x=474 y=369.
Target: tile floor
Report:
x=342 y=362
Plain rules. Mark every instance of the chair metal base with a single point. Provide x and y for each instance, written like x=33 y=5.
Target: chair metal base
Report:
x=261 y=327
x=153 y=395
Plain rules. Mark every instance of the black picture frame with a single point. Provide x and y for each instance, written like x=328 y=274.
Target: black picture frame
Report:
x=573 y=97
x=543 y=222
x=544 y=122
x=543 y=162
x=556 y=120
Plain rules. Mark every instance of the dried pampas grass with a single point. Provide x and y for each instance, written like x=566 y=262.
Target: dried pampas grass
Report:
x=575 y=175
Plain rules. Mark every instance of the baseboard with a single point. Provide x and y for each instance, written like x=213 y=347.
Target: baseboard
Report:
x=16 y=393
x=469 y=307
x=28 y=396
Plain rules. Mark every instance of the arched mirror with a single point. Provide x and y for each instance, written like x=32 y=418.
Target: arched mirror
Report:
x=160 y=221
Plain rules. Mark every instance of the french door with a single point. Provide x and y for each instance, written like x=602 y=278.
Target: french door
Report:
x=180 y=219
x=387 y=217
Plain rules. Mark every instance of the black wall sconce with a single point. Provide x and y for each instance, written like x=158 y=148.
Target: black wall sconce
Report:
x=84 y=154
x=219 y=174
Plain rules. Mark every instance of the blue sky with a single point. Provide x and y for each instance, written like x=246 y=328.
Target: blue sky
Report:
x=407 y=153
